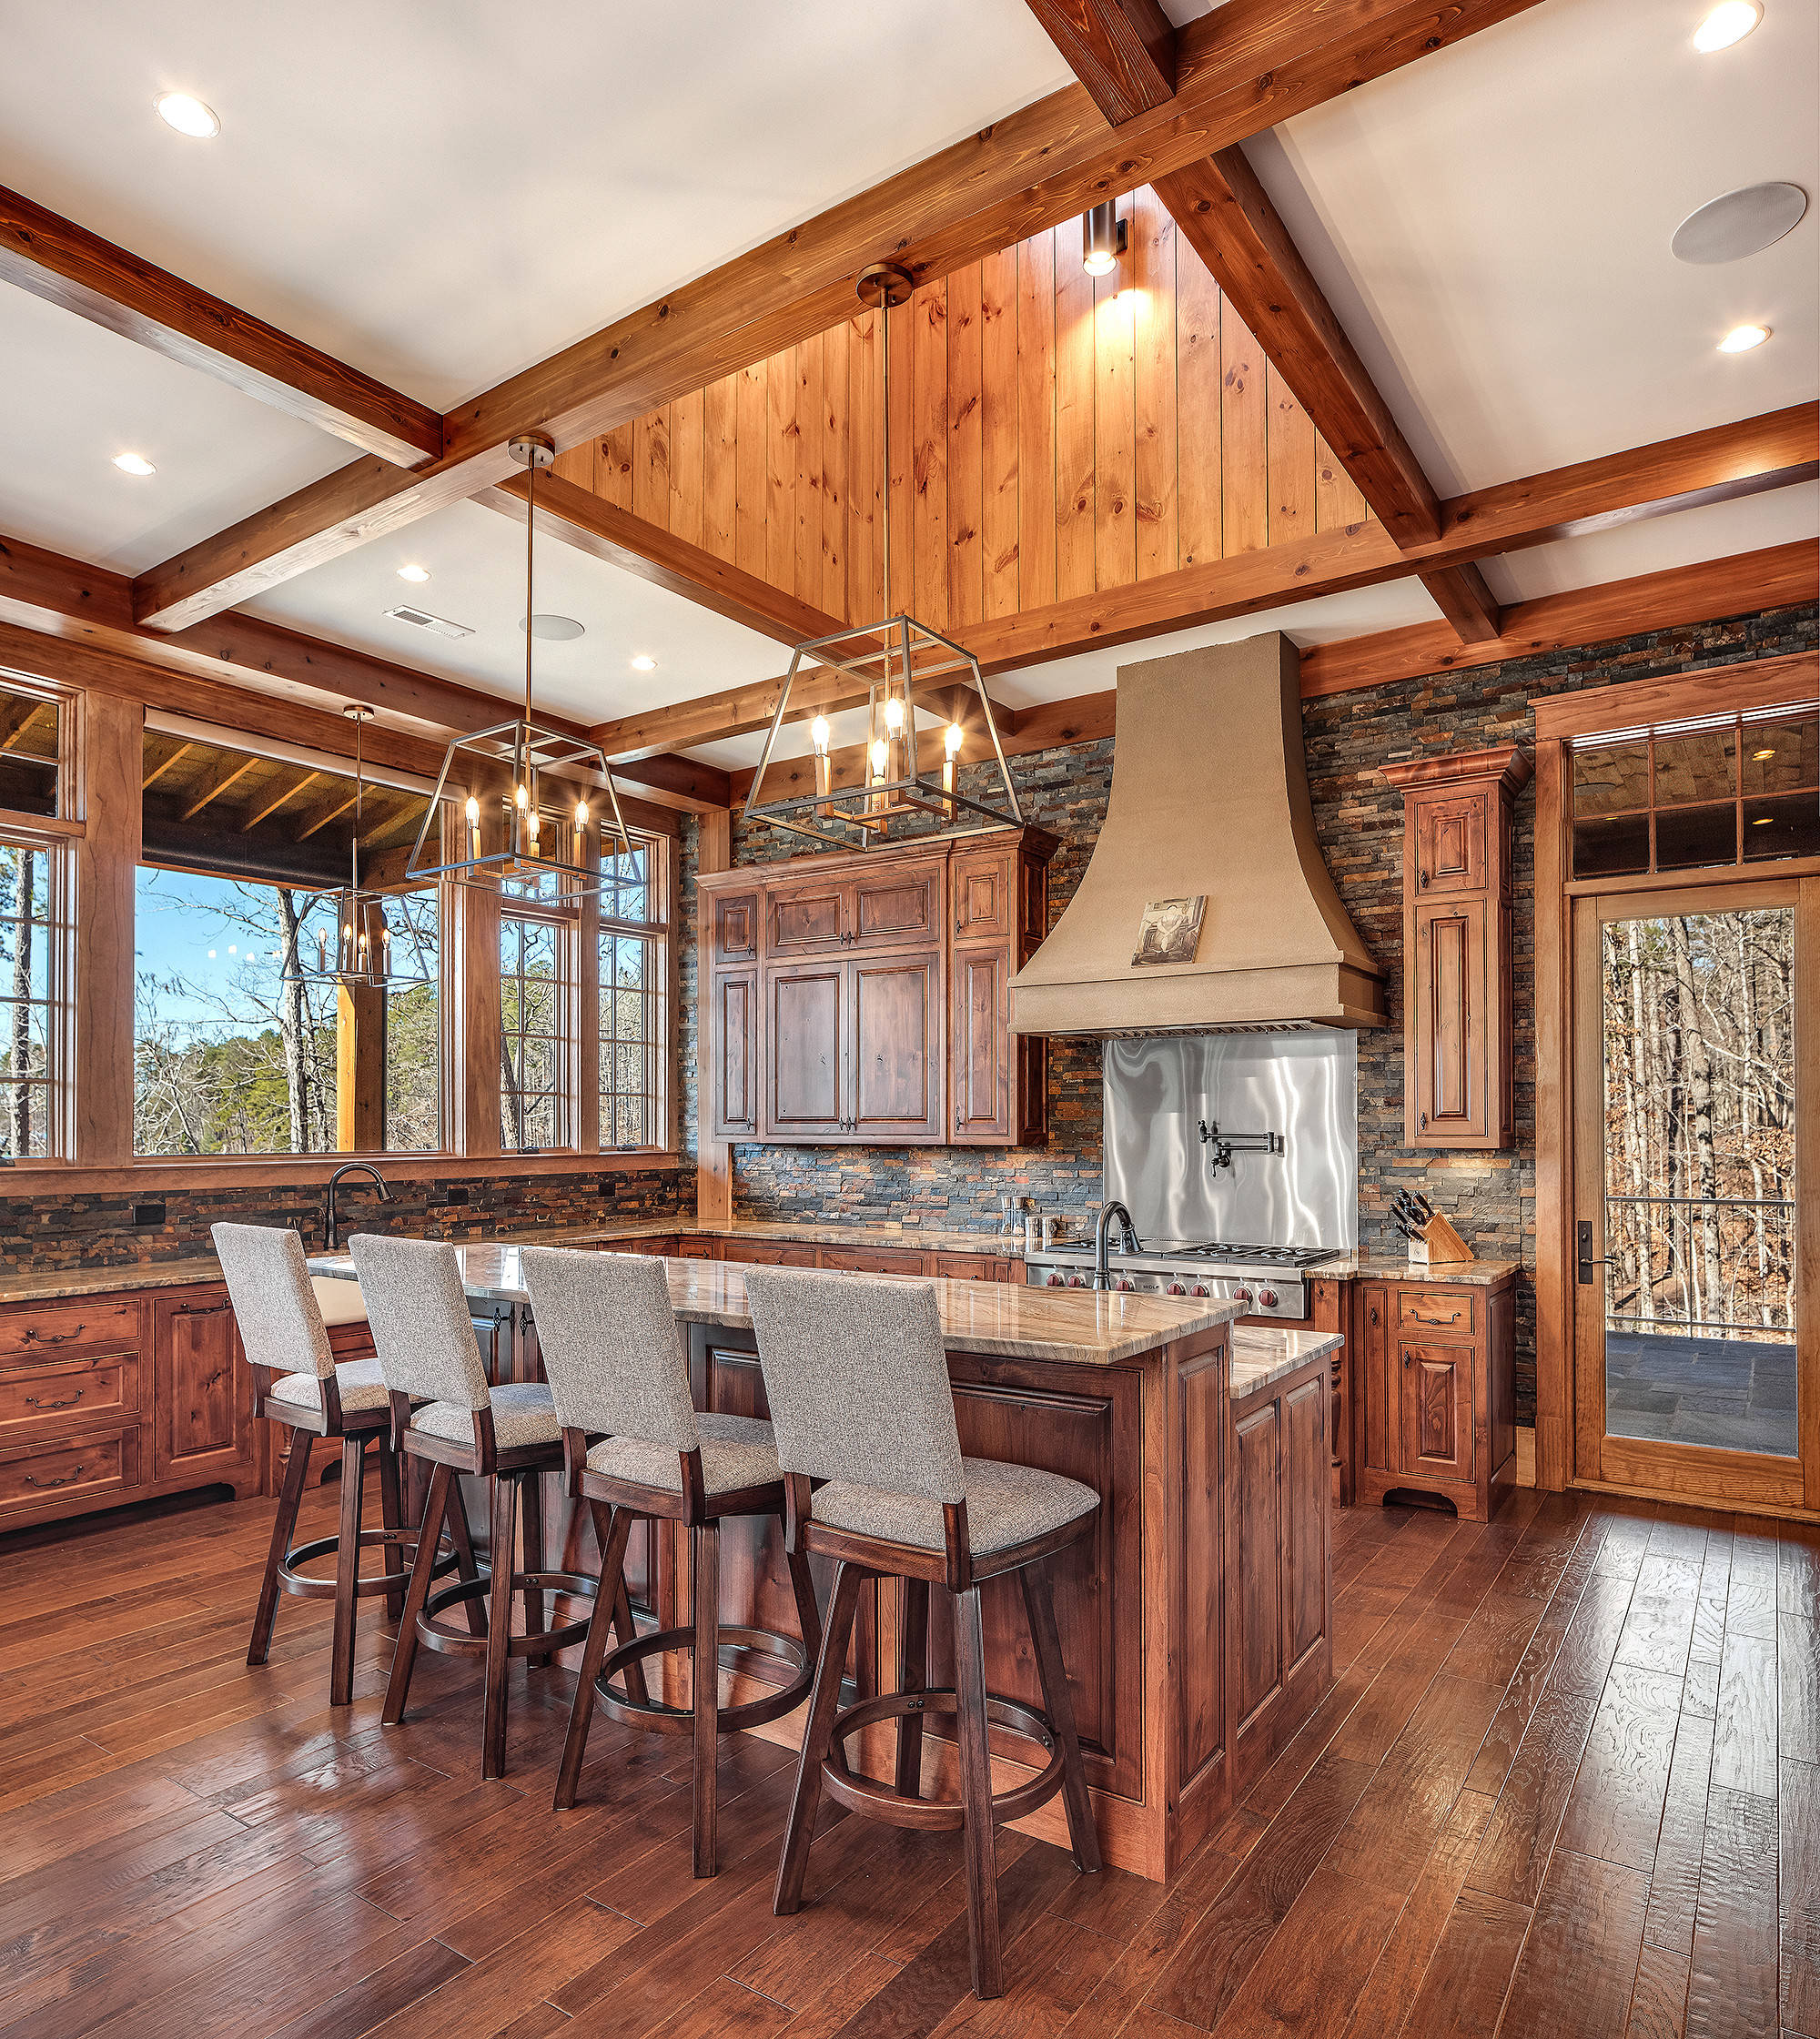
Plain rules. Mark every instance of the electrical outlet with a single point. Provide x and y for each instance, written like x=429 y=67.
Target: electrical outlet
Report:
x=148 y=1214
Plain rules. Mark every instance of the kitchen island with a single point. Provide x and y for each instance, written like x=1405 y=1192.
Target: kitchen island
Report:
x=1196 y=1616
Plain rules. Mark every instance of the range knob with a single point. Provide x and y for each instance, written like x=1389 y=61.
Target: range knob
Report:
x=1267 y=1297
x=1125 y=1281
x=1176 y=1288
x=1055 y=1281
x=1075 y=1281
x=1241 y=1294
x=1200 y=1289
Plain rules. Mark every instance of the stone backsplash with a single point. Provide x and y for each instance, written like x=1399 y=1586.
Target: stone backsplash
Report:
x=1359 y=817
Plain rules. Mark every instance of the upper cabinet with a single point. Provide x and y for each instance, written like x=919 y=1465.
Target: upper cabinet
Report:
x=1456 y=1058
x=865 y=998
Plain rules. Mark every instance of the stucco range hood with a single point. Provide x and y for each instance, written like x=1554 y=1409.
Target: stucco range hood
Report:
x=1210 y=796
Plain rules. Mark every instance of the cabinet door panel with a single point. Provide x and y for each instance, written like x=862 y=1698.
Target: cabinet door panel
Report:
x=1450 y=845
x=1258 y=1602
x=1438 y=1399
x=734 y=1046
x=201 y=1391
x=980 y=1046
x=1449 y=1094
x=897 y=1048
x=735 y=927
x=1382 y=1427
x=808 y=918
x=981 y=883
x=898 y=908
x=805 y=1077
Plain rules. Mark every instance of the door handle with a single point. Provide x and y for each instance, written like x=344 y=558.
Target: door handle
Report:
x=1587 y=1262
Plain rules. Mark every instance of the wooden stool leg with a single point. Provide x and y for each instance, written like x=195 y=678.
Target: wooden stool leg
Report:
x=498 y=1626
x=466 y=1566
x=808 y=1615
x=1039 y=1606
x=817 y=1733
x=704 y=1685
x=284 y=1528
x=404 y=1652
x=624 y=1627
x=913 y=1676
x=981 y=1856
x=603 y=1618
x=391 y=1513
x=530 y=1499
x=346 y=1569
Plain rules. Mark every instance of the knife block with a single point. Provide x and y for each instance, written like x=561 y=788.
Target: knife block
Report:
x=1440 y=1245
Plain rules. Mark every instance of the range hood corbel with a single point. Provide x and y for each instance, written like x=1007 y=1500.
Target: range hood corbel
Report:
x=1210 y=796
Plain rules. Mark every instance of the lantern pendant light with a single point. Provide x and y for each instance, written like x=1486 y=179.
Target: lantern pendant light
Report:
x=504 y=833
x=884 y=665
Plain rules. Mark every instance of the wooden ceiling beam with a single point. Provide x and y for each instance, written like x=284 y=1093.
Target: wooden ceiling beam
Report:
x=1227 y=217
x=331 y=807
x=1246 y=66
x=264 y=809
x=229 y=776
x=158 y=772
x=65 y=265
x=1122 y=51
x=1462 y=597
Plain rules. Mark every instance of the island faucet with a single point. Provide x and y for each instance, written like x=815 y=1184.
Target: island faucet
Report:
x=1127 y=1239
x=331 y=1223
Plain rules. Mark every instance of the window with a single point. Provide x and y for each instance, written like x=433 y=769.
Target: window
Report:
x=1716 y=790
x=537 y=985
x=32 y=928
x=239 y=1033
x=633 y=988
x=31 y=736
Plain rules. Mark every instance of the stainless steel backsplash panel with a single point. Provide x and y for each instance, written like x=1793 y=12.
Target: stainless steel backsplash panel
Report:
x=1304 y=1085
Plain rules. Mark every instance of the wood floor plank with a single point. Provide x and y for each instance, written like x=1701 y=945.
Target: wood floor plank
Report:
x=1658 y=1998
x=1311 y=1973
x=1615 y=1810
x=1736 y=1975
x=1798 y=1891
x=1577 y=1970
x=1463 y=1993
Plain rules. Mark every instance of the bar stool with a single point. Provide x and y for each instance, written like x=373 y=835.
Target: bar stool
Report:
x=857 y=1381
x=615 y=1362
x=506 y=1435
x=297 y=1381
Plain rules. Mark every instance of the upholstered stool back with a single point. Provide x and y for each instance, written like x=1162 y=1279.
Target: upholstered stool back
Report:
x=418 y=1310
x=275 y=1307
x=612 y=1353
x=857 y=1380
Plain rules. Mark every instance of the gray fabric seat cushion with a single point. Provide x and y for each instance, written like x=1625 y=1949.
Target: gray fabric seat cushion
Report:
x=524 y=1413
x=736 y=1451
x=361 y=1383
x=1007 y=1505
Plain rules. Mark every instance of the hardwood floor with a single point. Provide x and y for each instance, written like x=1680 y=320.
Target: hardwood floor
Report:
x=1567 y=1783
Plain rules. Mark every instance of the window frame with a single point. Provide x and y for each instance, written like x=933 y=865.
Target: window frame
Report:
x=658 y=996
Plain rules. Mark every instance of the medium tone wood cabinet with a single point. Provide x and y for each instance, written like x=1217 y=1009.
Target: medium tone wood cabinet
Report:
x=1434 y=1377
x=865 y=997
x=1457 y=1087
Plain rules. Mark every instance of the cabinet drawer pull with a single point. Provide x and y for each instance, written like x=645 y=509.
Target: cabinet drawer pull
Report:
x=32 y=1335
x=69 y=1401
x=44 y=1486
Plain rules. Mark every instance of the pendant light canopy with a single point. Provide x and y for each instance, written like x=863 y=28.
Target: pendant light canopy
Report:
x=358 y=949
x=909 y=768
x=505 y=832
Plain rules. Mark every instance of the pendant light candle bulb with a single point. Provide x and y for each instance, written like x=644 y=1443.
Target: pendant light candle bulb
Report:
x=818 y=735
x=893 y=714
x=951 y=738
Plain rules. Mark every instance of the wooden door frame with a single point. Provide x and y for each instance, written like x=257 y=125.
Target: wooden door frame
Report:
x=1759 y=683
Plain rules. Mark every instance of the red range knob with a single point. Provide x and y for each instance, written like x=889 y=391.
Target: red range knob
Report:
x=1200 y=1289
x=1176 y=1288
x=1267 y=1297
x=1055 y=1281
x=1125 y=1281
x=1241 y=1294
x=1075 y=1281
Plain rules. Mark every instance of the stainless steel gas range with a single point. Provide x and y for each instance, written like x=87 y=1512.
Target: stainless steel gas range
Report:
x=1268 y=1281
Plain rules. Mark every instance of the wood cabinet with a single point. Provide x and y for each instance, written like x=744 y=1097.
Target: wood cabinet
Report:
x=1457 y=986
x=865 y=998
x=122 y=1397
x=1435 y=1382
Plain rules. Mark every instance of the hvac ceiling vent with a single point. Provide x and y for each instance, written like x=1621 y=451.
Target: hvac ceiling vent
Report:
x=424 y=621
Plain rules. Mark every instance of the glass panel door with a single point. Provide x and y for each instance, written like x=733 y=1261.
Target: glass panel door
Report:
x=1689 y=1322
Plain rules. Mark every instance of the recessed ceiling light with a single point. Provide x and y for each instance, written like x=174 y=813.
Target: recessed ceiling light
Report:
x=189 y=116
x=1741 y=338
x=1730 y=22
x=554 y=629
x=1738 y=223
x=134 y=463
x=642 y=664
x=416 y=573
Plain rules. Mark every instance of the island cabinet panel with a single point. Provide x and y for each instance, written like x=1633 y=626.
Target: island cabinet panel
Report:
x=876 y=1005
x=1437 y=1411
x=1201 y=1458
x=201 y=1389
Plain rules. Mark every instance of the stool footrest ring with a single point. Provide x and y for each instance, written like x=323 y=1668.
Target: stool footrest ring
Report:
x=876 y=1800
x=308 y=1588
x=787 y=1653
x=436 y=1634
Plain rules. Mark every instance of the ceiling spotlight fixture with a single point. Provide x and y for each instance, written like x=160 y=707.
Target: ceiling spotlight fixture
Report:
x=642 y=663
x=554 y=629
x=134 y=463
x=1730 y=22
x=889 y=661
x=501 y=836
x=188 y=116
x=414 y=574
x=1738 y=223
x=1102 y=239
x=1741 y=338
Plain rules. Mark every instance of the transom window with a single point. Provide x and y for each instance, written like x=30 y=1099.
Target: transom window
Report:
x=1739 y=789
x=633 y=988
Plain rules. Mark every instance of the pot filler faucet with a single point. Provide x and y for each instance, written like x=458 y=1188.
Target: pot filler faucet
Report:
x=1225 y=1145
x=1127 y=1239
x=332 y=1221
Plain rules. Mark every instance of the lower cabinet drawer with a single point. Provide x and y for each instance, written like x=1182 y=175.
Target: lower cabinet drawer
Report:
x=58 y=1394
x=66 y=1470
x=32 y=1334
x=872 y=1260
x=965 y=1266
x=1439 y=1309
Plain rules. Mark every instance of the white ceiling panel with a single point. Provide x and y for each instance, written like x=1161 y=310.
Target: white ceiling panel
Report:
x=476 y=560
x=443 y=195
x=72 y=396
x=1491 y=226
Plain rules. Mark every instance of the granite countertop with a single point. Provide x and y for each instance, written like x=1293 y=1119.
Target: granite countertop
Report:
x=910 y=1239
x=1261 y=1352
x=1392 y=1266
x=66 y=1282
x=1006 y=1320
